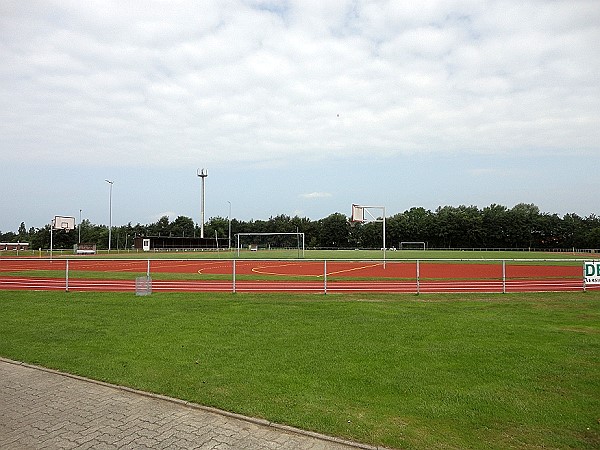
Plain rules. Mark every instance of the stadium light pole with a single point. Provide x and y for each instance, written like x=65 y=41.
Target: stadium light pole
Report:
x=229 y=219
x=79 y=225
x=202 y=173
x=109 y=213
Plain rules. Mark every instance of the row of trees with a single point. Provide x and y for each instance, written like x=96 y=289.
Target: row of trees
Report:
x=494 y=226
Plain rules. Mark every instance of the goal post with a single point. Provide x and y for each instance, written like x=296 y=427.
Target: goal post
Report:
x=299 y=244
x=412 y=245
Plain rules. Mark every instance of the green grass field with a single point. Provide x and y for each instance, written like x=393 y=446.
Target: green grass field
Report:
x=433 y=371
x=320 y=254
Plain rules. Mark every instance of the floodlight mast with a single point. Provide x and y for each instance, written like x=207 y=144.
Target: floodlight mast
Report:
x=202 y=173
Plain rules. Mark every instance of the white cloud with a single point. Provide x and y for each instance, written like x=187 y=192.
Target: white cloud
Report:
x=316 y=195
x=170 y=214
x=148 y=83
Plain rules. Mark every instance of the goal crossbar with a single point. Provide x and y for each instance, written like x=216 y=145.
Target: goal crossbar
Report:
x=298 y=234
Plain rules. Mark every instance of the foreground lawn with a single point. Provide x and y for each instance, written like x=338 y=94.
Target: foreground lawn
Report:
x=443 y=371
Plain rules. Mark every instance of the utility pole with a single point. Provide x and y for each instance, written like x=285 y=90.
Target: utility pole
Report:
x=202 y=173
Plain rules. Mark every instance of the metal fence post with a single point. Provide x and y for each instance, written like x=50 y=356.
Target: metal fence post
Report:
x=148 y=270
x=233 y=275
x=325 y=276
x=418 y=276
x=67 y=277
x=504 y=276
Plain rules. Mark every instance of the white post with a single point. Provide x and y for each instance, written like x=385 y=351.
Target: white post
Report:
x=109 y=214
x=229 y=220
x=418 y=276
x=202 y=173
x=325 y=276
x=384 y=248
x=51 y=228
x=233 y=276
x=203 y=203
x=504 y=276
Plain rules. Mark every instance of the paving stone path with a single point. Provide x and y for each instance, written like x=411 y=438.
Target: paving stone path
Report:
x=44 y=409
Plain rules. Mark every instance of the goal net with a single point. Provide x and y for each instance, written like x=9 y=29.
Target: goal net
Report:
x=259 y=242
x=412 y=245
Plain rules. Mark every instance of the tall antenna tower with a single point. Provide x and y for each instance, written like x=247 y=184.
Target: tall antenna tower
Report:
x=202 y=173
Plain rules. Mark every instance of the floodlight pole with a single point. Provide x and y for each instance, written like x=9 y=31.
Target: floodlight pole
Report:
x=202 y=173
x=109 y=214
x=79 y=239
x=384 y=246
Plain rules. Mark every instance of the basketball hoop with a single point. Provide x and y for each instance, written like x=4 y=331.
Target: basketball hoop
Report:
x=64 y=223
x=358 y=216
x=59 y=223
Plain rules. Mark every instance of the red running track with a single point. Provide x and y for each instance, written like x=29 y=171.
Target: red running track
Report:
x=395 y=277
x=57 y=284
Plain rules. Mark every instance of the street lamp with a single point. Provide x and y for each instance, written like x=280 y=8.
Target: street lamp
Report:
x=80 y=226
x=109 y=213
x=229 y=219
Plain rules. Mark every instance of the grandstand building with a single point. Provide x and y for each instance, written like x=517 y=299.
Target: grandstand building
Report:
x=178 y=243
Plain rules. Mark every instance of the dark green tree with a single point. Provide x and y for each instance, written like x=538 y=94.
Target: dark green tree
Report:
x=334 y=231
x=183 y=226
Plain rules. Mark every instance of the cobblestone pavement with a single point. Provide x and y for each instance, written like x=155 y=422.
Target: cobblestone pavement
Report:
x=44 y=409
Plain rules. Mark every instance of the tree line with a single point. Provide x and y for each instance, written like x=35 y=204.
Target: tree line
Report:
x=522 y=226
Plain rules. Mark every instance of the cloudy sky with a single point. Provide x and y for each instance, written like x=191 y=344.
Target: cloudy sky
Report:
x=296 y=107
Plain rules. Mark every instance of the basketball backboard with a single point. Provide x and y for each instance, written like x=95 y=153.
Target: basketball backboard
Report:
x=358 y=213
x=63 y=223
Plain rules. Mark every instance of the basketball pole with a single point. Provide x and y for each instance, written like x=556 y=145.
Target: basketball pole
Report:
x=358 y=215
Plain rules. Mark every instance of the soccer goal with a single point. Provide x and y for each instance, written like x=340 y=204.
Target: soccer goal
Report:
x=412 y=245
x=256 y=242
